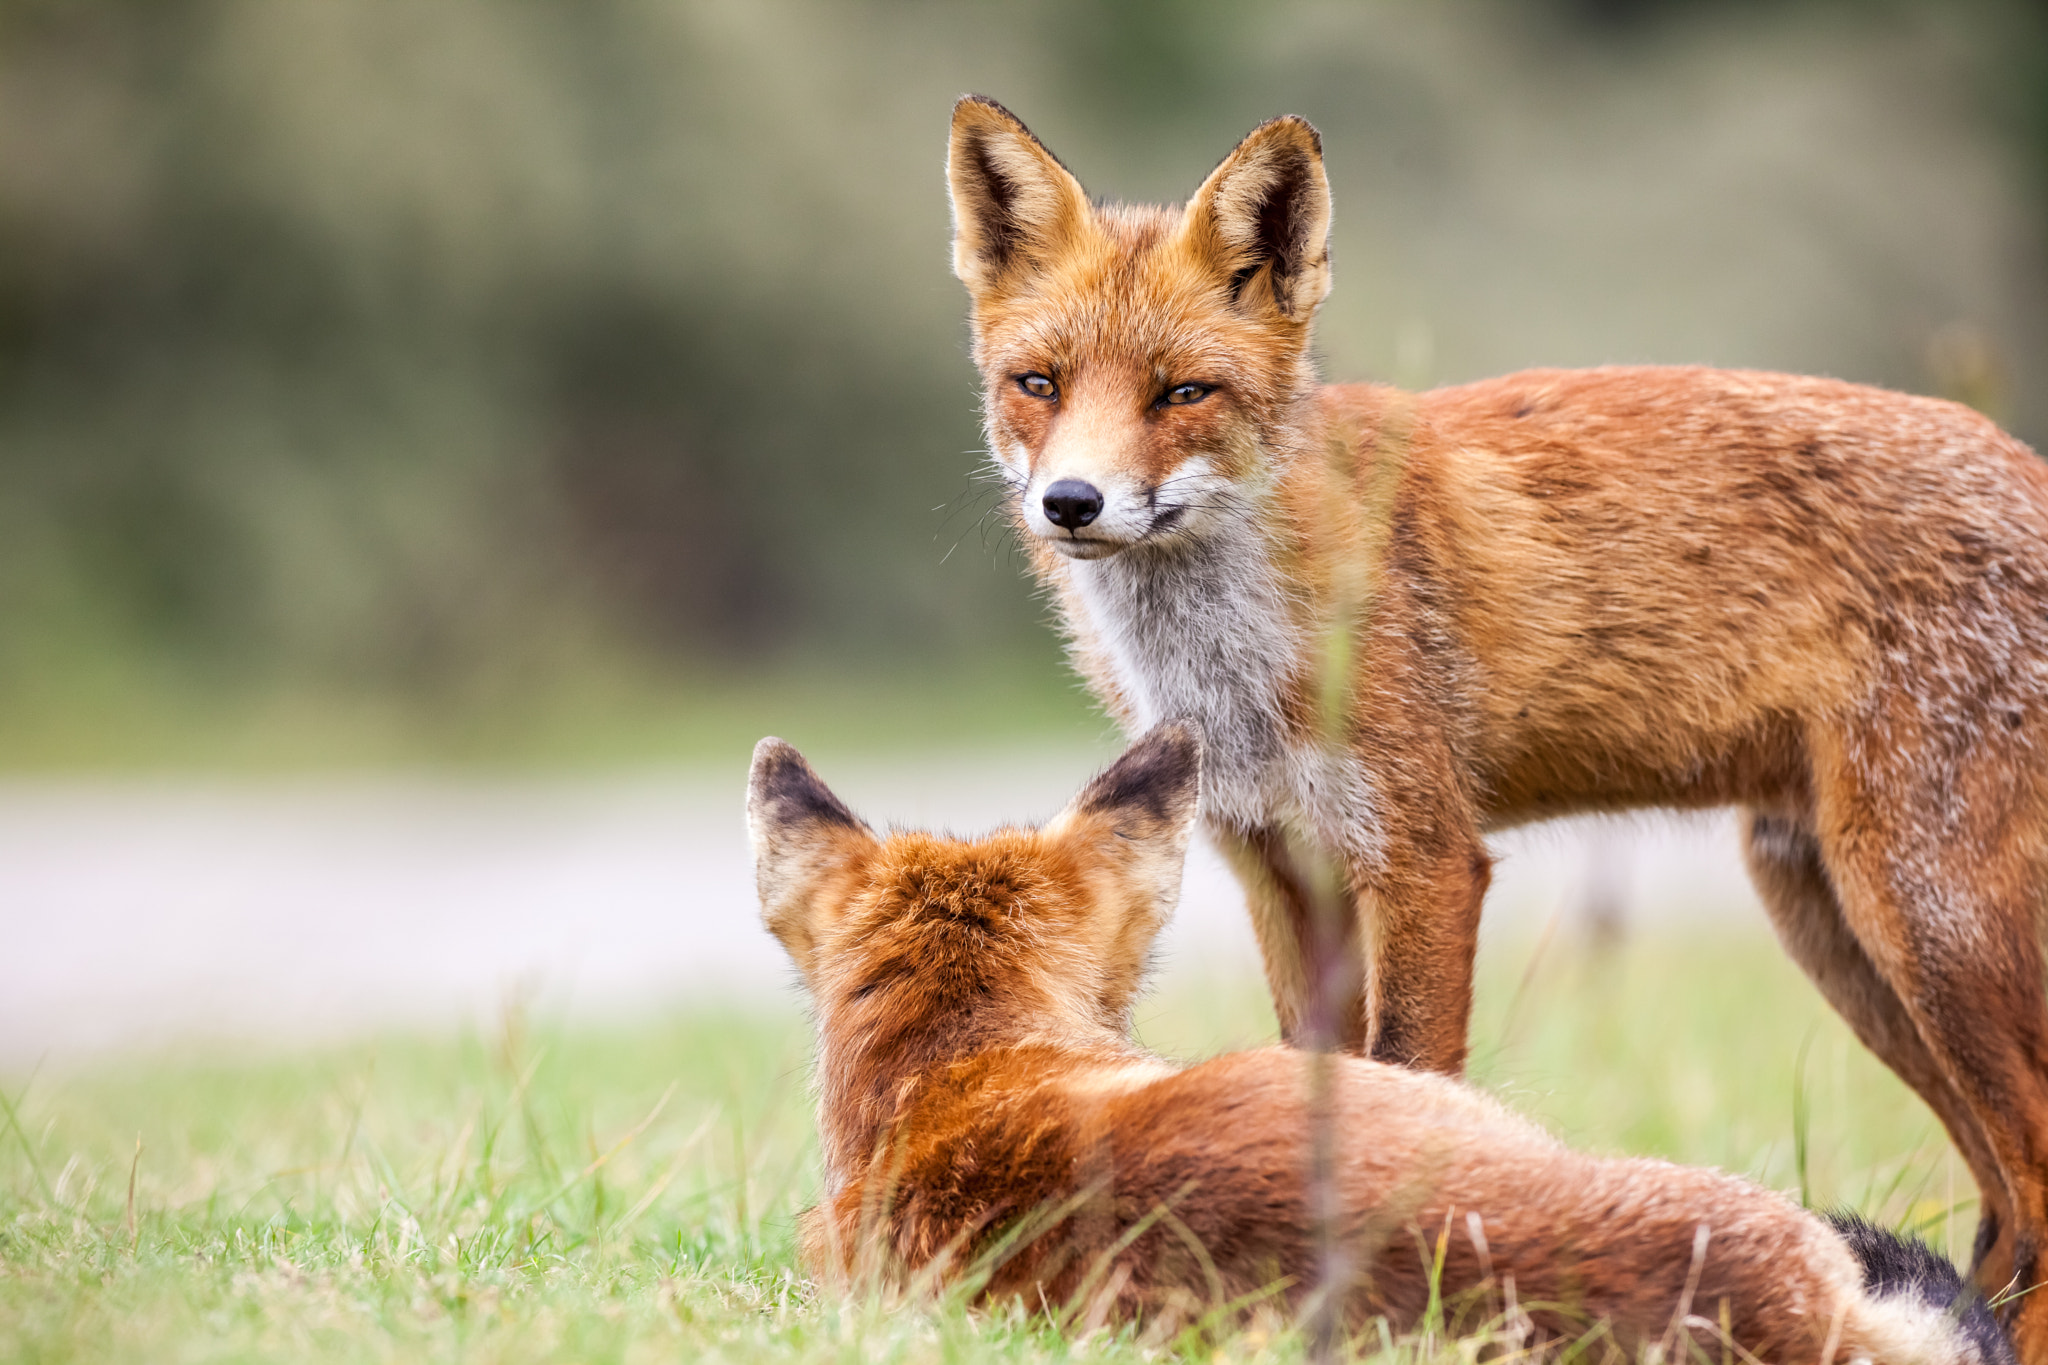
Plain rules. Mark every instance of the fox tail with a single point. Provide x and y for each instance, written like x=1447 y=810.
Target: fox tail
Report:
x=1900 y=1266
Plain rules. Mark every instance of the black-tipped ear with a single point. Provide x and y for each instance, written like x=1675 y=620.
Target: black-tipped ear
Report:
x=1013 y=201
x=1158 y=779
x=799 y=831
x=783 y=791
x=1137 y=815
x=1263 y=220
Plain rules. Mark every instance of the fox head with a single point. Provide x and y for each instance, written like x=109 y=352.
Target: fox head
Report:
x=1030 y=929
x=1133 y=357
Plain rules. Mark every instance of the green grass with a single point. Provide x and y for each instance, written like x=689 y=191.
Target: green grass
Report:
x=548 y=1194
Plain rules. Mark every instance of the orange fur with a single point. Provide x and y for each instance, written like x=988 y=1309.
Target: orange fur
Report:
x=1564 y=591
x=984 y=1112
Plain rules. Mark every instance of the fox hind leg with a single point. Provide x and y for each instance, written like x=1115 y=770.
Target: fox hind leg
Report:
x=1937 y=868
x=1784 y=861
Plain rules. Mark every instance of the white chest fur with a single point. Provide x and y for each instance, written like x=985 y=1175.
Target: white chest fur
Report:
x=1203 y=630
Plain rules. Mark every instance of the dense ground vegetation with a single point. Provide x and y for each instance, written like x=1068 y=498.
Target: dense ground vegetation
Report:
x=534 y=1193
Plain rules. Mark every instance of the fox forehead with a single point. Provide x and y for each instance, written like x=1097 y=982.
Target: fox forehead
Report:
x=1130 y=297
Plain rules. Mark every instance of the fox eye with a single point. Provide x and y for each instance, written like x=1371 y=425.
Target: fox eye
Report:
x=1181 y=394
x=1037 y=385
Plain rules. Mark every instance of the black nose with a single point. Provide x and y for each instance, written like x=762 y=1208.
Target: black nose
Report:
x=1072 y=504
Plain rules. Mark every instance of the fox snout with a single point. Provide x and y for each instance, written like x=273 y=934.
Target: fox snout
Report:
x=1091 y=515
x=1086 y=472
x=1097 y=513
x=1071 y=503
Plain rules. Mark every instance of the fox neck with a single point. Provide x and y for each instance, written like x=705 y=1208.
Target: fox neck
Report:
x=1203 y=629
x=873 y=1062
x=1212 y=626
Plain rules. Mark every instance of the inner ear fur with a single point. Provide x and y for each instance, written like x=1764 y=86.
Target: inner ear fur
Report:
x=1262 y=219
x=1139 y=812
x=1013 y=202
x=802 y=836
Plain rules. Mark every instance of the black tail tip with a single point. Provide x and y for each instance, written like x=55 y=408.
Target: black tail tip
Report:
x=1896 y=1265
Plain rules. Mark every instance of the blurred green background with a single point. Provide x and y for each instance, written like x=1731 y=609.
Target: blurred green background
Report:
x=389 y=380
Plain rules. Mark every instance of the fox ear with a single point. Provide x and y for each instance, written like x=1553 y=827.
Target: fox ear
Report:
x=1012 y=200
x=1262 y=218
x=801 y=834
x=1139 y=811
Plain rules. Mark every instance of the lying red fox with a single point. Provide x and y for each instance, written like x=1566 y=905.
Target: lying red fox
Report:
x=1567 y=591
x=981 y=1105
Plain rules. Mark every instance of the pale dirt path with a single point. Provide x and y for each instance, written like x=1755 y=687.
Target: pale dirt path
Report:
x=138 y=913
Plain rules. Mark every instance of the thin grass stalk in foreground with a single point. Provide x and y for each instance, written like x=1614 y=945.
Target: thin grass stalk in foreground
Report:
x=1802 y=1121
x=1354 y=531
x=10 y=1110
x=128 y=1216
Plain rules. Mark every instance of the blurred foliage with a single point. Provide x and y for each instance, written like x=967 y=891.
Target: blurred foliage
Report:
x=460 y=351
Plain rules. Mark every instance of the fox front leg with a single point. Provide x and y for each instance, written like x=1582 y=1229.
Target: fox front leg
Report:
x=1420 y=921
x=1310 y=946
x=1384 y=966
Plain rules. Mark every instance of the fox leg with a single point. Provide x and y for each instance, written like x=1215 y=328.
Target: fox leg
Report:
x=1420 y=908
x=1784 y=861
x=1313 y=968
x=1389 y=973
x=1939 y=879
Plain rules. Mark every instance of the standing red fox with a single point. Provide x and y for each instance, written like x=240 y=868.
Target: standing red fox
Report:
x=982 y=1110
x=1583 y=590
